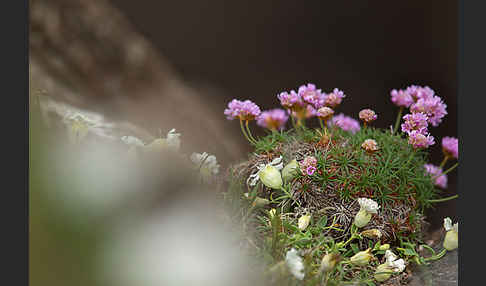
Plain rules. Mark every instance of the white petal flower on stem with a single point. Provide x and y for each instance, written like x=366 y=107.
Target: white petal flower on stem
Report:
x=368 y=205
x=295 y=264
x=451 y=239
x=269 y=174
x=132 y=141
x=172 y=142
x=207 y=164
x=304 y=222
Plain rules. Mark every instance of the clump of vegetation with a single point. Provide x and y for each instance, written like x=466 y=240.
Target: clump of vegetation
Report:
x=341 y=203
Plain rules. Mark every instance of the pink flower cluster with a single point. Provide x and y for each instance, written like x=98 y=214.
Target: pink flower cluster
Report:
x=419 y=140
x=273 y=119
x=346 y=123
x=244 y=110
x=308 y=99
x=435 y=172
x=308 y=166
x=415 y=121
x=450 y=147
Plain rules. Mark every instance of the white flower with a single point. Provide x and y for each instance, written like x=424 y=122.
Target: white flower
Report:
x=269 y=174
x=451 y=239
x=79 y=125
x=384 y=271
x=295 y=264
x=207 y=164
x=393 y=263
x=172 y=142
x=304 y=222
x=362 y=258
x=368 y=205
x=132 y=141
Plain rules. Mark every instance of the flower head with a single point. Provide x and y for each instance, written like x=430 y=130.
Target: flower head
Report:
x=308 y=162
x=132 y=141
x=329 y=261
x=334 y=98
x=273 y=119
x=311 y=95
x=372 y=233
x=269 y=174
x=415 y=121
x=290 y=170
x=207 y=164
x=451 y=239
x=435 y=172
x=450 y=146
x=419 y=140
x=370 y=145
x=419 y=92
x=304 y=222
x=325 y=113
x=433 y=107
x=295 y=264
x=292 y=100
x=172 y=142
x=244 y=110
x=401 y=98
x=368 y=205
x=367 y=115
x=346 y=123
x=392 y=264
x=362 y=258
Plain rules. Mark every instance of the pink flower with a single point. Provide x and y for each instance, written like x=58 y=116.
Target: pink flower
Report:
x=334 y=98
x=370 y=145
x=311 y=95
x=274 y=119
x=415 y=121
x=304 y=113
x=244 y=110
x=433 y=107
x=418 y=92
x=291 y=100
x=325 y=113
x=401 y=98
x=310 y=170
x=435 y=172
x=309 y=164
x=419 y=140
x=450 y=146
x=367 y=115
x=346 y=123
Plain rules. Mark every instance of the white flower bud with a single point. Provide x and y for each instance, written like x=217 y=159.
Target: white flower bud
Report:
x=383 y=272
x=304 y=222
x=290 y=171
x=451 y=239
x=260 y=202
x=362 y=218
x=362 y=258
x=270 y=177
x=385 y=246
x=329 y=261
x=372 y=233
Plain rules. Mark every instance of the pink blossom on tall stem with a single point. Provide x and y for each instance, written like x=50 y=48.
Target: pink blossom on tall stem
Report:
x=435 y=172
x=415 y=121
x=367 y=115
x=450 y=147
x=401 y=98
x=311 y=95
x=433 y=107
x=334 y=98
x=292 y=100
x=419 y=92
x=346 y=123
x=244 y=110
x=273 y=119
x=419 y=140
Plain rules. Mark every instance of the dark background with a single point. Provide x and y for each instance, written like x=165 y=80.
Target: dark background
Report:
x=255 y=49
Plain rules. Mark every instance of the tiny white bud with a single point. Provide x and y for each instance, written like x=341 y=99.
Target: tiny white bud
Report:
x=304 y=222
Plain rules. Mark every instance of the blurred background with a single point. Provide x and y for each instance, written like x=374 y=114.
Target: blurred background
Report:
x=176 y=64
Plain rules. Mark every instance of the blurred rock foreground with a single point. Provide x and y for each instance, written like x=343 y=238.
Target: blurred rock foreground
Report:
x=84 y=53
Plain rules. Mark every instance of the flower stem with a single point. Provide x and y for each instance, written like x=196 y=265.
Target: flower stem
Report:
x=444 y=161
x=437 y=256
x=322 y=125
x=443 y=199
x=398 y=120
x=450 y=169
x=249 y=132
x=244 y=133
